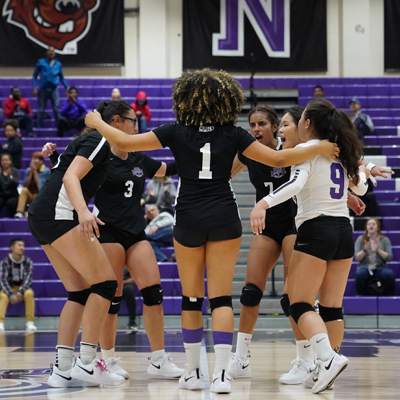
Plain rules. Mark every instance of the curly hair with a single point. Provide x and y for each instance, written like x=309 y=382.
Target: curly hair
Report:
x=270 y=113
x=207 y=97
x=11 y=122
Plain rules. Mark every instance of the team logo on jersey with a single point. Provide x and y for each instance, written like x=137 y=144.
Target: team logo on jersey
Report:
x=278 y=172
x=206 y=128
x=137 y=172
x=57 y=23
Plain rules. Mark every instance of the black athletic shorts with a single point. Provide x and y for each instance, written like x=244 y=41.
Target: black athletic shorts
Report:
x=277 y=231
x=328 y=238
x=110 y=234
x=189 y=237
x=46 y=232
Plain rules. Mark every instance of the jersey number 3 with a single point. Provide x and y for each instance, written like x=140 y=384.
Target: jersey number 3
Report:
x=205 y=172
x=129 y=188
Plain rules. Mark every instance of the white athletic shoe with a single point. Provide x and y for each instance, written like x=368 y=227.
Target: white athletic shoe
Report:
x=1 y=326
x=328 y=371
x=238 y=367
x=114 y=367
x=221 y=383
x=192 y=381
x=297 y=374
x=63 y=379
x=312 y=377
x=164 y=367
x=95 y=372
x=30 y=326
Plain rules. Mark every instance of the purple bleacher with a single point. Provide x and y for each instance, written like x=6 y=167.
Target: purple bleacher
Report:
x=6 y=237
x=13 y=225
x=384 y=140
x=389 y=305
x=360 y=305
x=387 y=195
x=389 y=209
x=44 y=271
x=393 y=150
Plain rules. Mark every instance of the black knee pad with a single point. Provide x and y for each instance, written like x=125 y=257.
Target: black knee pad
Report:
x=251 y=295
x=330 y=313
x=285 y=304
x=192 y=303
x=152 y=295
x=115 y=305
x=220 y=301
x=105 y=289
x=80 y=296
x=298 y=309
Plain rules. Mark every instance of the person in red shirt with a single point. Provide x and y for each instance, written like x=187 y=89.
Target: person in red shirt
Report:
x=142 y=111
x=18 y=108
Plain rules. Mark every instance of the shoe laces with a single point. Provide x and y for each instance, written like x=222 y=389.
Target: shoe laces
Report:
x=298 y=363
x=317 y=368
x=113 y=361
x=100 y=363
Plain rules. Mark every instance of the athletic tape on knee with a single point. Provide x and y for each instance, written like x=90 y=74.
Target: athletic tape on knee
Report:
x=115 y=305
x=192 y=303
x=330 y=313
x=251 y=295
x=298 y=309
x=220 y=301
x=79 y=296
x=105 y=289
x=152 y=295
x=285 y=304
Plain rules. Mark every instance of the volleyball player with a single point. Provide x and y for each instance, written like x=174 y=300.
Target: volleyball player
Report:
x=61 y=222
x=117 y=205
x=207 y=228
x=324 y=247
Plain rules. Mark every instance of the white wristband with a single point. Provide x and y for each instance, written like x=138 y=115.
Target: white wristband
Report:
x=370 y=165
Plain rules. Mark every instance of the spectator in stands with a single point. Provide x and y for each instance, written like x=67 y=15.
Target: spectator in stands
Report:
x=361 y=121
x=9 y=179
x=159 y=229
x=73 y=111
x=373 y=250
x=318 y=91
x=35 y=177
x=142 y=111
x=161 y=191
x=50 y=71
x=18 y=108
x=128 y=294
x=13 y=145
x=115 y=94
x=15 y=281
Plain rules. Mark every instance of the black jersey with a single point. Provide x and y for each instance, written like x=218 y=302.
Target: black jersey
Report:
x=204 y=156
x=52 y=202
x=117 y=202
x=266 y=179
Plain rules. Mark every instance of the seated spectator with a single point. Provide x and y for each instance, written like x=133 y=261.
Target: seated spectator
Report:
x=15 y=282
x=318 y=91
x=72 y=113
x=128 y=294
x=361 y=121
x=13 y=145
x=18 y=108
x=159 y=230
x=115 y=94
x=35 y=177
x=142 y=111
x=9 y=179
x=373 y=250
x=161 y=191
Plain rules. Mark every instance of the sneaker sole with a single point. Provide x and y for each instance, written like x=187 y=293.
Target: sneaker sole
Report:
x=332 y=381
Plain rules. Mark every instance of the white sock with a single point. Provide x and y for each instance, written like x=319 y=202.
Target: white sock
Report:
x=156 y=355
x=243 y=345
x=106 y=354
x=222 y=356
x=305 y=351
x=193 y=355
x=88 y=352
x=64 y=355
x=322 y=346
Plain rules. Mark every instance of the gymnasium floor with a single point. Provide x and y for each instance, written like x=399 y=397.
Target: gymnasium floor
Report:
x=373 y=373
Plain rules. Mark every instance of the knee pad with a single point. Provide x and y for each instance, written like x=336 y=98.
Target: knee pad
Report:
x=105 y=289
x=192 y=303
x=152 y=295
x=330 y=313
x=220 y=301
x=251 y=295
x=285 y=304
x=80 y=296
x=298 y=309
x=115 y=305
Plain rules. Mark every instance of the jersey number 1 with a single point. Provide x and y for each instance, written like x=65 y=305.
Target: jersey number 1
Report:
x=205 y=172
